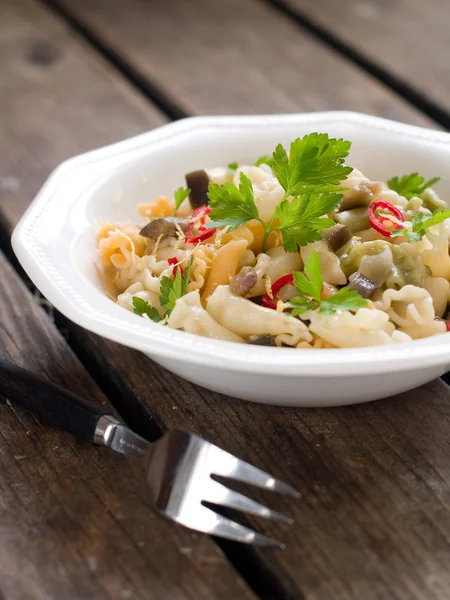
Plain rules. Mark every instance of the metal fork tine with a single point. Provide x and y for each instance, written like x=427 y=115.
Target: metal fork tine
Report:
x=225 y=464
x=227 y=528
x=223 y=496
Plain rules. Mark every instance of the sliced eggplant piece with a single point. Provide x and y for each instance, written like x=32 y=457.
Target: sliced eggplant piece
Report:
x=364 y=286
x=167 y=227
x=262 y=340
x=242 y=283
x=355 y=218
x=337 y=236
x=377 y=267
x=361 y=195
x=198 y=182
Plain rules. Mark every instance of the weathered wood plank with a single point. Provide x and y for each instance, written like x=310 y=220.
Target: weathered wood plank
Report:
x=234 y=57
x=374 y=521
x=57 y=98
x=407 y=39
x=75 y=521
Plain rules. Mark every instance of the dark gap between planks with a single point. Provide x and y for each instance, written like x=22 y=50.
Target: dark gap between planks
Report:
x=396 y=84
x=264 y=582
x=151 y=91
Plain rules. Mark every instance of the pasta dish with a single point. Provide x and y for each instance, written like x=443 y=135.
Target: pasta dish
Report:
x=298 y=249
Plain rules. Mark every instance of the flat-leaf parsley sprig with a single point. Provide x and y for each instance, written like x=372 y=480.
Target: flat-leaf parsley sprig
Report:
x=411 y=185
x=420 y=223
x=310 y=177
x=309 y=286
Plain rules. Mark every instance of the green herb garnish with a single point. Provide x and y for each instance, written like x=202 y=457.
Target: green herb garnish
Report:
x=180 y=196
x=311 y=175
x=316 y=163
x=142 y=307
x=265 y=159
x=233 y=166
x=420 y=223
x=412 y=185
x=309 y=285
x=172 y=289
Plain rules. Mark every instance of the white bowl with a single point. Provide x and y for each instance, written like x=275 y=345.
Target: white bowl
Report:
x=55 y=242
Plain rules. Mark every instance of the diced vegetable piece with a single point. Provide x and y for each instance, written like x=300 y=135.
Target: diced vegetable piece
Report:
x=377 y=267
x=262 y=340
x=364 y=286
x=362 y=195
x=336 y=236
x=408 y=268
x=242 y=283
x=198 y=182
x=167 y=227
x=356 y=219
x=432 y=201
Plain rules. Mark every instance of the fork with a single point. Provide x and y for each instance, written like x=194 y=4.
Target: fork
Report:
x=180 y=466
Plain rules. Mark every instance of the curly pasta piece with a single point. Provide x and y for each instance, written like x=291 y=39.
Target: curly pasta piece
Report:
x=224 y=265
x=137 y=289
x=367 y=327
x=411 y=309
x=439 y=290
x=147 y=270
x=161 y=207
x=329 y=262
x=190 y=316
x=435 y=253
x=202 y=259
x=120 y=244
x=245 y=318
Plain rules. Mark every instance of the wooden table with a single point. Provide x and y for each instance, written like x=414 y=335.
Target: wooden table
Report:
x=374 y=521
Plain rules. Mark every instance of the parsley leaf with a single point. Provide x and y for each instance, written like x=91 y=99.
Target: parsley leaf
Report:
x=411 y=185
x=344 y=299
x=265 y=159
x=309 y=285
x=172 y=289
x=301 y=305
x=420 y=223
x=230 y=205
x=180 y=196
x=310 y=282
x=300 y=221
x=233 y=166
x=315 y=161
x=142 y=307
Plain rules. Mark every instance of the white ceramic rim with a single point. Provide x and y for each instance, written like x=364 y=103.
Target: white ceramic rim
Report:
x=158 y=341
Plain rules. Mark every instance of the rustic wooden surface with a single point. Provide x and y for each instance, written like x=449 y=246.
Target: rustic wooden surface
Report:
x=409 y=40
x=75 y=521
x=236 y=56
x=374 y=520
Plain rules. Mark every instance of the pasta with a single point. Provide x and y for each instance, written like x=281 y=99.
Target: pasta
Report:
x=190 y=316
x=297 y=250
x=246 y=318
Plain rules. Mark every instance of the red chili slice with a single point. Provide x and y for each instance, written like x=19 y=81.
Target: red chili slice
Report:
x=448 y=325
x=202 y=236
x=376 y=221
x=267 y=301
x=199 y=215
x=174 y=261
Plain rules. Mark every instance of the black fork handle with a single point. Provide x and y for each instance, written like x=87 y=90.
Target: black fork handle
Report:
x=56 y=405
